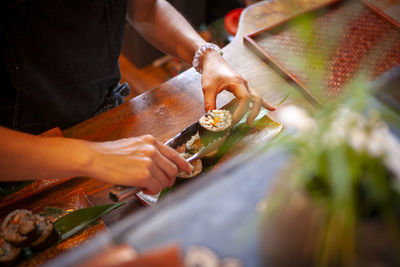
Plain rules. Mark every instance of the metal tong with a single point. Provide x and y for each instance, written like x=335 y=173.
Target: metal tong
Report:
x=207 y=149
x=119 y=192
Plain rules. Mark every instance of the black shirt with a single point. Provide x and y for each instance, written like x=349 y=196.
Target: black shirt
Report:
x=60 y=60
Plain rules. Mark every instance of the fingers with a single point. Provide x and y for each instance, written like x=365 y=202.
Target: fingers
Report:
x=159 y=174
x=267 y=106
x=153 y=188
x=246 y=96
x=164 y=170
x=241 y=109
x=210 y=97
x=164 y=164
x=159 y=164
x=156 y=179
x=166 y=158
x=257 y=101
x=174 y=157
x=137 y=161
x=219 y=76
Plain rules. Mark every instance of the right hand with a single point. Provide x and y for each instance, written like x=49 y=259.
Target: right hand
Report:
x=218 y=76
x=138 y=161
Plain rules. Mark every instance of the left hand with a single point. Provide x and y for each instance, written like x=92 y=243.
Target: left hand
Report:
x=218 y=76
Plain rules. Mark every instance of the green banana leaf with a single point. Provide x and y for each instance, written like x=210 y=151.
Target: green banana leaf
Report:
x=238 y=131
x=73 y=222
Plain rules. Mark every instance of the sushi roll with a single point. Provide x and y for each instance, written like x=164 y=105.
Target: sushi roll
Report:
x=47 y=233
x=194 y=144
x=197 y=168
x=19 y=228
x=217 y=120
x=9 y=254
x=214 y=124
x=186 y=150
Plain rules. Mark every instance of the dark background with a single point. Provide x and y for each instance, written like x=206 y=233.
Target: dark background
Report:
x=199 y=13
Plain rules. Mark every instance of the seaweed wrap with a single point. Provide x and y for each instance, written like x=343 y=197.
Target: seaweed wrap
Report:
x=214 y=124
x=47 y=234
x=9 y=254
x=19 y=228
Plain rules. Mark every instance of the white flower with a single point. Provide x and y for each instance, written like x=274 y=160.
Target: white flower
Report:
x=297 y=118
x=392 y=151
x=358 y=139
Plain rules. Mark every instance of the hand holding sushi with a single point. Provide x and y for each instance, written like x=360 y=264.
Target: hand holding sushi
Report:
x=155 y=20
x=141 y=161
x=138 y=161
x=218 y=76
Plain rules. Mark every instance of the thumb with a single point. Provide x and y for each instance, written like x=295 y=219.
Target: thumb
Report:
x=209 y=100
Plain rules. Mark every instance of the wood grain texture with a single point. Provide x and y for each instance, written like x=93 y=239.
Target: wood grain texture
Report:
x=166 y=110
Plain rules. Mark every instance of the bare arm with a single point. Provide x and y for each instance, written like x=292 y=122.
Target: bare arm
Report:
x=140 y=161
x=25 y=156
x=165 y=28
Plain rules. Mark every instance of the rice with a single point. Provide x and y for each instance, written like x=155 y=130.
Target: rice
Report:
x=216 y=120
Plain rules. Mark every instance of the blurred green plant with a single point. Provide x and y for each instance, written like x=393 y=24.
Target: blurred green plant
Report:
x=343 y=156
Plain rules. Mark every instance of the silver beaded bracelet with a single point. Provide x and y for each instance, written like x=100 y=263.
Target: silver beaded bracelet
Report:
x=202 y=50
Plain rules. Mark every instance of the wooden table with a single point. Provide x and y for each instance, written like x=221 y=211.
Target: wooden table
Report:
x=166 y=110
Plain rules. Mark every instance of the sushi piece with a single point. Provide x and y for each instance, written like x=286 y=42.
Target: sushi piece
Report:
x=19 y=228
x=194 y=144
x=214 y=124
x=217 y=120
x=197 y=168
x=197 y=164
x=9 y=254
x=186 y=150
x=47 y=233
